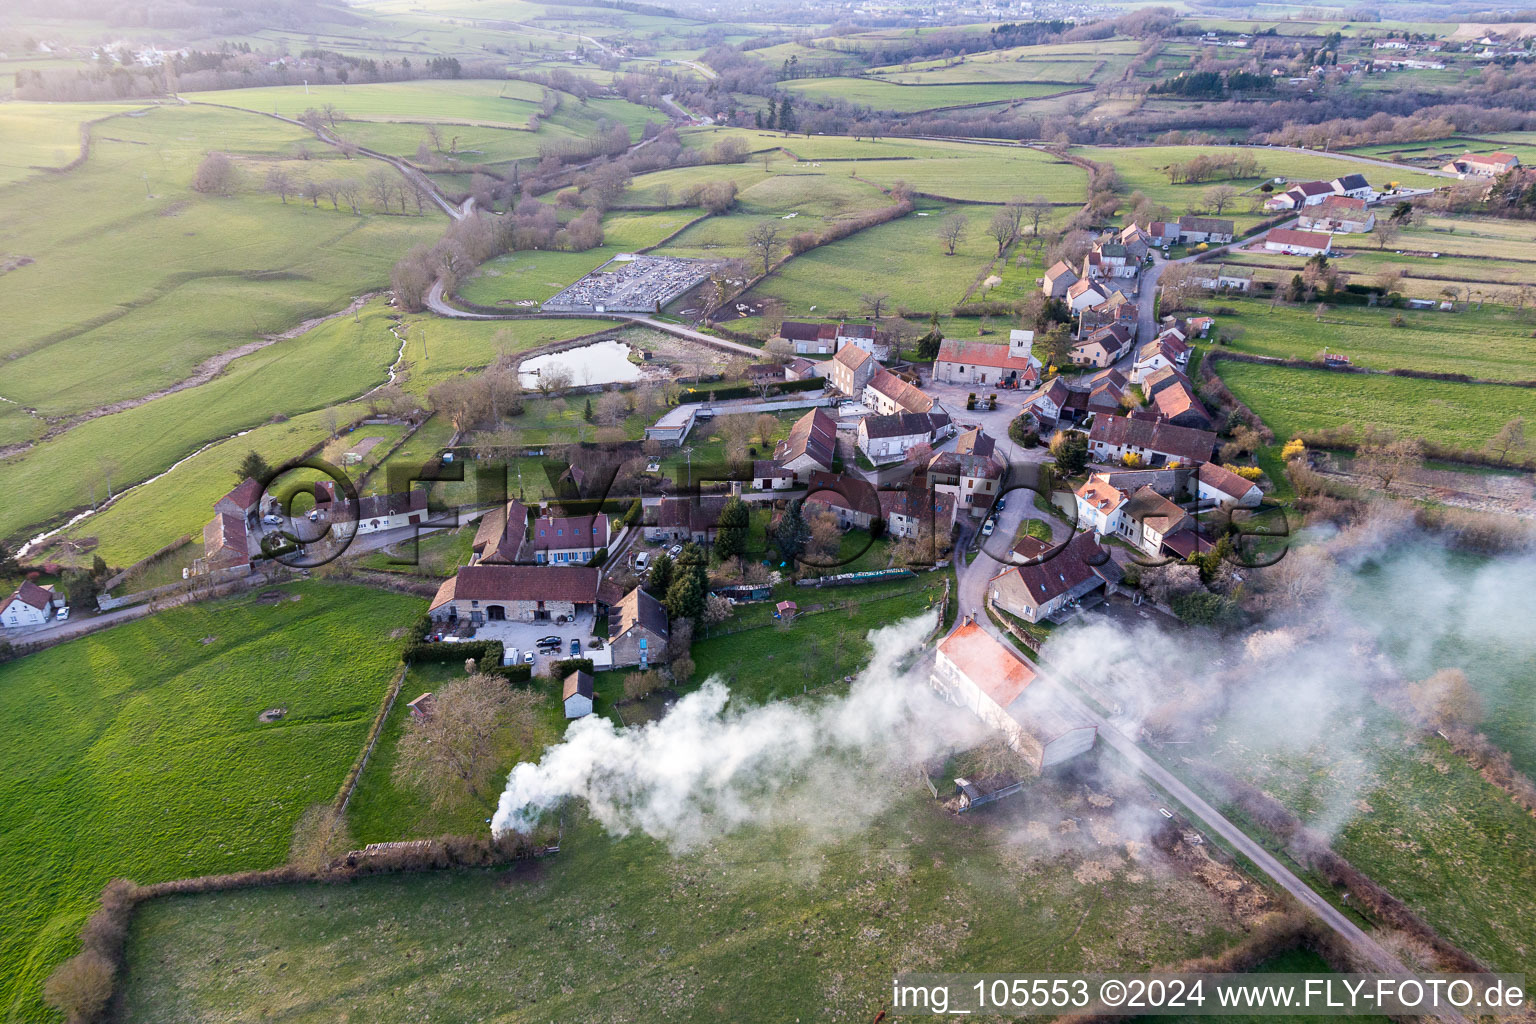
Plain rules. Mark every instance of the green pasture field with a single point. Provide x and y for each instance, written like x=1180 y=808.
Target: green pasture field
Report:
x=989 y=174
x=209 y=273
x=1143 y=168
x=333 y=363
x=1293 y=401
x=41 y=136
x=1492 y=648
x=887 y=95
x=903 y=257
x=535 y=276
x=999 y=66
x=507 y=103
x=650 y=189
x=1303 y=27
x=16 y=424
x=156 y=766
x=1492 y=343
x=1415 y=817
x=798 y=926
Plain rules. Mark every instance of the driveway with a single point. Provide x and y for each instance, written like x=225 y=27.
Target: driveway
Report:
x=523 y=636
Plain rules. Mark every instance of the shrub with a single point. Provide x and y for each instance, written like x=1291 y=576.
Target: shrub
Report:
x=1247 y=472
x=561 y=669
x=81 y=987
x=1294 y=449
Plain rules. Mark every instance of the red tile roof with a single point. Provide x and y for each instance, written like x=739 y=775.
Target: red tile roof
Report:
x=246 y=495
x=520 y=583
x=992 y=668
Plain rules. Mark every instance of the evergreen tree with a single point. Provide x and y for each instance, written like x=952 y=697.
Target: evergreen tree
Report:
x=685 y=598
x=587 y=413
x=792 y=533
x=731 y=538
x=786 y=116
x=253 y=467
x=661 y=575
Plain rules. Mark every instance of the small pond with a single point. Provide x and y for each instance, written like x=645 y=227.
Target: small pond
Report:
x=602 y=362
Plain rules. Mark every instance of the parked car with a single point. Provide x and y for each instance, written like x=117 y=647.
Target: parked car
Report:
x=988 y=527
x=549 y=641
x=642 y=560
x=528 y=658
x=63 y=614
x=1002 y=503
x=675 y=550
x=272 y=520
x=314 y=515
x=575 y=647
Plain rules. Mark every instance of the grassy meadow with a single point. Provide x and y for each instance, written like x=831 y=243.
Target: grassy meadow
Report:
x=775 y=917
x=505 y=103
x=156 y=766
x=45 y=136
x=905 y=99
x=1493 y=342
x=1295 y=401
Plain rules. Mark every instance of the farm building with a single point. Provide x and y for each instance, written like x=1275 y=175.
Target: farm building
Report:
x=518 y=593
x=976 y=671
x=768 y=475
x=1214 y=230
x=375 y=513
x=502 y=536
x=801 y=368
x=1300 y=243
x=889 y=438
x=226 y=543
x=810 y=446
x=979 y=362
x=1222 y=278
x=576 y=694
x=640 y=630
x=244 y=502
x=1490 y=165
x=675 y=424
x=1338 y=213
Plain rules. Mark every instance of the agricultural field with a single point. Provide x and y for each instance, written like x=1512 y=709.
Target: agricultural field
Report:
x=157 y=766
x=43 y=136
x=332 y=364
x=830 y=917
x=505 y=104
x=1492 y=343
x=1296 y=401
x=888 y=95
x=904 y=258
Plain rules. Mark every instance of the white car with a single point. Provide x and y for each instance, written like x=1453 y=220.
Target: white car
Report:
x=272 y=520
x=988 y=527
x=642 y=560
x=63 y=614
x=675 y=550
x=528 y=658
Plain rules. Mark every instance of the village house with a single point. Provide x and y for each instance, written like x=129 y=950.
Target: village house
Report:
x=809 y=339
x=1044 y=590
x=1162 y=233
x=851 y=369
x=568 y=540
x=1082 y=295
x=1136 y=241
x=1353 y=186
x=1338 y=213
x=576 y=694
x=810 y=446
x=972 y=474
x=1213 y=230
x=516 y=593
x=887 y=393
x=1300 y=195
x=1173 y=398
x=31 y=605
x=1057 y=280
x=243 y=502
x=976 y=671
x=1114 y=437
x=1048 y=406
x=226 y=544
x=1298 y=243
x=1110 y=260
x=863 y=336
x=502 y=536
x=913 y=512
x=885 y=439
x=982 y=363
x=1109 y=313
x=1103 y=347
x=1099 y=505
x=1148 y=519
x=1490 y=165
x=687 y=518
x=1163 y=352
x=638 y=630
x=1217 y=486
x=852 y=500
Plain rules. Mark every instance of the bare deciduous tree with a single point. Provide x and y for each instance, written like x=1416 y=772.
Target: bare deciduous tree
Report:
x=952 y=232
x=280 y=182
x=874 y=303
x=454 y=752
x=764 y=242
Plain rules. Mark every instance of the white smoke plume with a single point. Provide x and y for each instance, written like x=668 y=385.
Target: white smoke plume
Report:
x=709 y=766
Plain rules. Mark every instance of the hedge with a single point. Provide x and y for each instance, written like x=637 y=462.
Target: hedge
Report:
x=561 y=669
